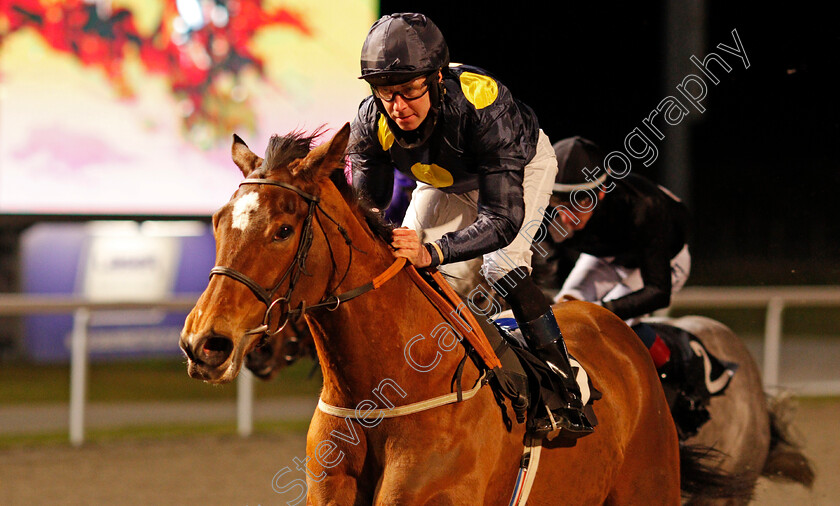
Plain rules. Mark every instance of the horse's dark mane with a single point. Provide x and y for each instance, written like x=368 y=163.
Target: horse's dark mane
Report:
x=373 y=217
x=377 y=223
x=283 y=150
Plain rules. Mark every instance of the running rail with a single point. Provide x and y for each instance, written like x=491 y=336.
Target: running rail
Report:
x=774 y=298
x=16 y=305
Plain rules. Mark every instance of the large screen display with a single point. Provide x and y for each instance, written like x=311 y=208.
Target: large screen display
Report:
x=128 y=107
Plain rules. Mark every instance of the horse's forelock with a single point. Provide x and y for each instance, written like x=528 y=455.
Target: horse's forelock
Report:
x=283 y=150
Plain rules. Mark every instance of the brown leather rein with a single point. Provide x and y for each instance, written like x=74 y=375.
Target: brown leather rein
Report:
x=297 y=267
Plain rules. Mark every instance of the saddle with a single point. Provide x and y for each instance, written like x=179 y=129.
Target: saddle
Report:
x=691 y=378
x=545 y=391
x=498 y=348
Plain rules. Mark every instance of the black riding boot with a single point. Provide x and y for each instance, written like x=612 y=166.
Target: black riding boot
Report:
x=545 y=339
x=539 y=328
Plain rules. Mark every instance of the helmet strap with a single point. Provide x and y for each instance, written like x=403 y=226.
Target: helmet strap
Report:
x=418 y=136
x=421 y=134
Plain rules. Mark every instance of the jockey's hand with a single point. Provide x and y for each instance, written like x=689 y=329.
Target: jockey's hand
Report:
x=408 y=246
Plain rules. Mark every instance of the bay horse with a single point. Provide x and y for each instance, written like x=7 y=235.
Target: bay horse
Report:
x=281 y=350
x=747 y=428
x=290 y=228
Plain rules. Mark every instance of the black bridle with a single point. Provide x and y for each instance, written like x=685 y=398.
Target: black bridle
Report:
x=295 y=269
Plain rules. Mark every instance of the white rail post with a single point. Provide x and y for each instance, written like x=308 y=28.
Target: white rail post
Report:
x=78 y=375
x=773 y=342
x=245 y=403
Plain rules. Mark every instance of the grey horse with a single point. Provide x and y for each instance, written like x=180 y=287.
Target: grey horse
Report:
x=747 y=428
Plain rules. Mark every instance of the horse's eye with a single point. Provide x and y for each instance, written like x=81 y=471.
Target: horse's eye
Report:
x=283 y=232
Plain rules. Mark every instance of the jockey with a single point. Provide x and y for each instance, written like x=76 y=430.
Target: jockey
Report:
x=483 y=168
x=631 y=235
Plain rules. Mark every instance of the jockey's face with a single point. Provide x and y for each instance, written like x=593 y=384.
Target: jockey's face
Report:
x=572 y=218
x=407 y=113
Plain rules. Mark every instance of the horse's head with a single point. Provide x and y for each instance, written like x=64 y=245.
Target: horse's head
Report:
x=265 y=239
x=286 y=348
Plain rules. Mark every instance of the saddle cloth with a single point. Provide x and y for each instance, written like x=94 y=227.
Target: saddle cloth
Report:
x=509 y=324
x=545 y=389
x=690 y=378
x=700 y=368
x=517 y=374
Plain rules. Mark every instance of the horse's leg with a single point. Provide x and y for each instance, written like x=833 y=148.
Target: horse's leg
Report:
x=334 y=462
x=647 y=476
x=454 y=460
x=440 y=476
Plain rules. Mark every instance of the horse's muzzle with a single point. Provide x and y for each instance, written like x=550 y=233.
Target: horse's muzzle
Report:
x=261 y=361
x=207 y=354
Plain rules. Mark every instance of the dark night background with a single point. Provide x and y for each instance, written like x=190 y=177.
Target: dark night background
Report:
x=761 y=170
x=758 y=169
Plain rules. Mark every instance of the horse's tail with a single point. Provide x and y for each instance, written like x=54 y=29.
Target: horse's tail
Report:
x=702 y=478
x=785 y=461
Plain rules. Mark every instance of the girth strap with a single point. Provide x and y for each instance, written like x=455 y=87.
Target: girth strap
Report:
x=414 y=407
x=528 y=465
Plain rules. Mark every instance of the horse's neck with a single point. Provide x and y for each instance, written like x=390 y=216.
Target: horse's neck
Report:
x=364 y=342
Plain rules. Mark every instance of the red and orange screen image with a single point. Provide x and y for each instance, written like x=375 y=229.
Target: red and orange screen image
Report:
x=128 y=107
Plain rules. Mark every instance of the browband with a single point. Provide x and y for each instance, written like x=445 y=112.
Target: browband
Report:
x=307 y=196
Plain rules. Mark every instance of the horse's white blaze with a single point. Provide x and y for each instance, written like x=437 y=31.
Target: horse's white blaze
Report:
x=244 y=207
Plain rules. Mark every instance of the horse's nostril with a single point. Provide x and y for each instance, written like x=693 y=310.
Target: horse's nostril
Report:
x=187 y=349
x=215 y=350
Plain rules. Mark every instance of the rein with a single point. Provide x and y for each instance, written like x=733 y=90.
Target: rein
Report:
x=331 y=303
x=293 y=272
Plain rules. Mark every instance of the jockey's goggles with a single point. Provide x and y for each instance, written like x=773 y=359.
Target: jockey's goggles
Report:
x=411 y=90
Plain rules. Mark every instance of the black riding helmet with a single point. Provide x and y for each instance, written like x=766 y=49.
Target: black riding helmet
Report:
x=401 y=47
x=573 y=155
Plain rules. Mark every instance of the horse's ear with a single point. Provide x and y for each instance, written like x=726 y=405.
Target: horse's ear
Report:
x=243 y=157
x=327 y=157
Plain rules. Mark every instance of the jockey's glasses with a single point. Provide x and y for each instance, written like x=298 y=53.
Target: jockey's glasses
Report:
x=409 y=91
